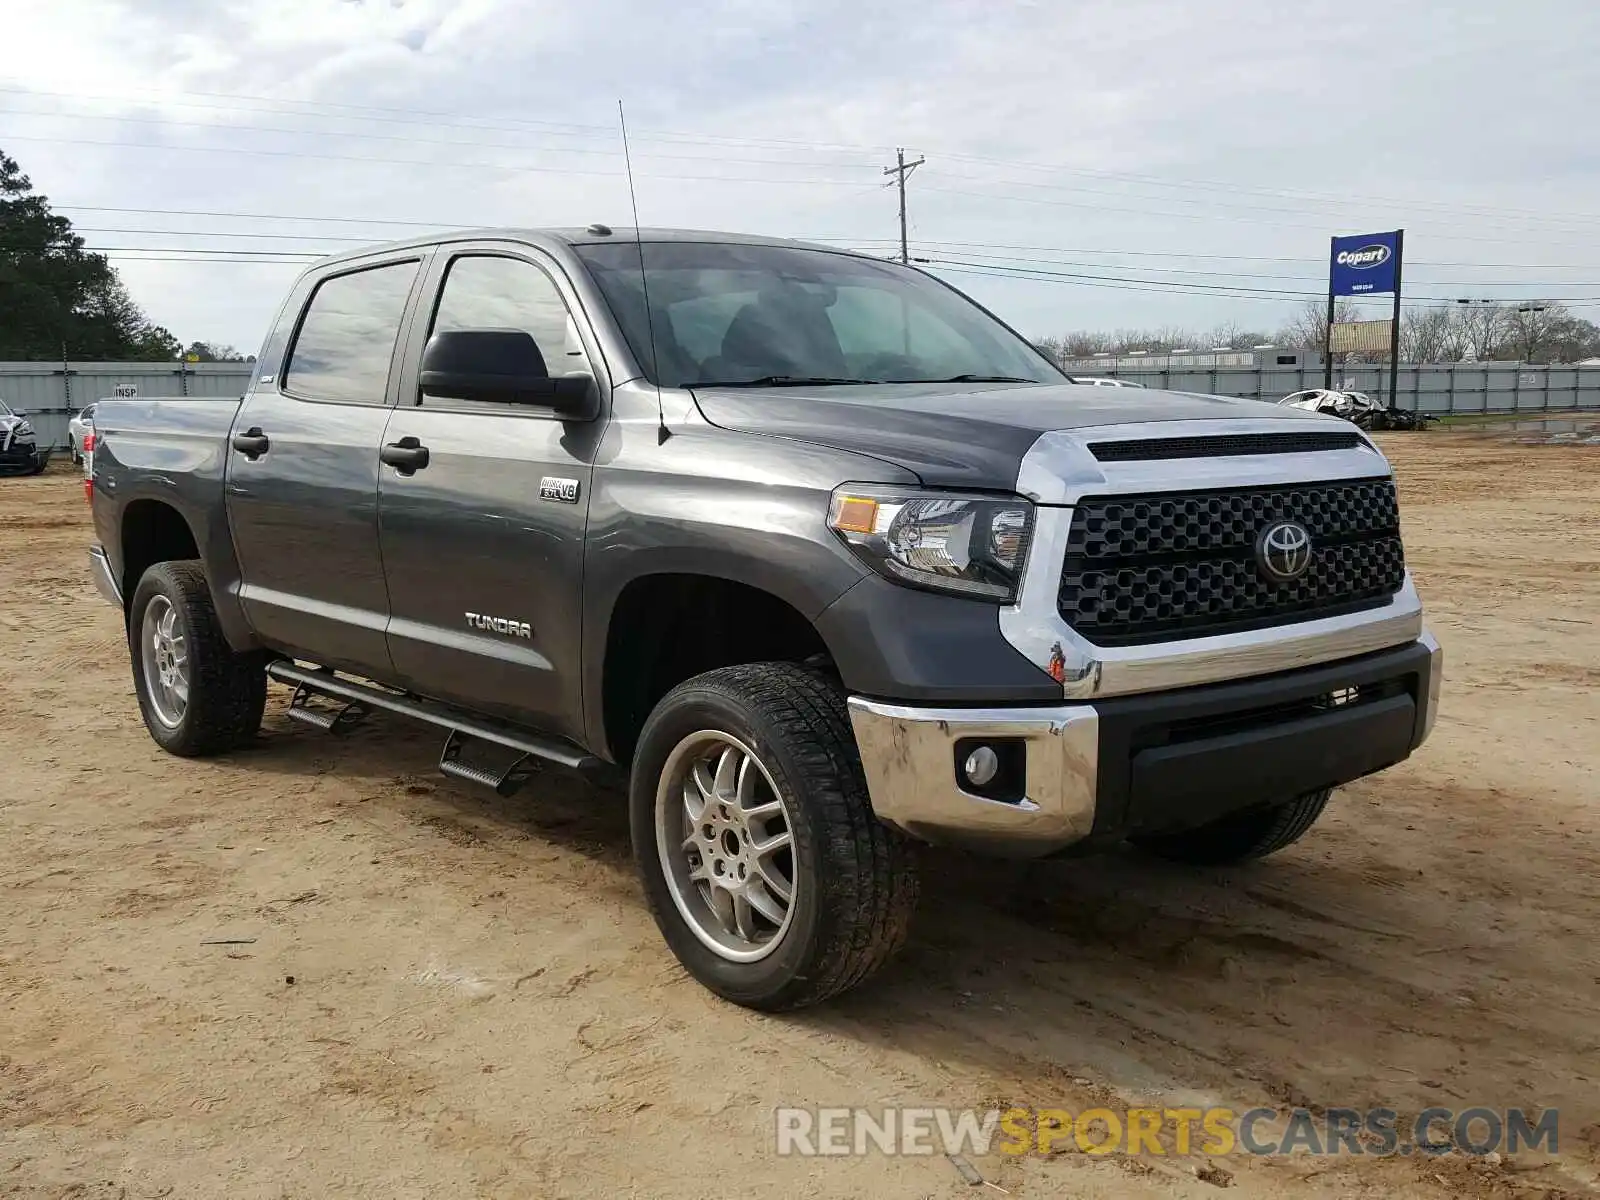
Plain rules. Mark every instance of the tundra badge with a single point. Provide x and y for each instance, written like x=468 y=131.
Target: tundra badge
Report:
x=506 y=625
x=553 y=488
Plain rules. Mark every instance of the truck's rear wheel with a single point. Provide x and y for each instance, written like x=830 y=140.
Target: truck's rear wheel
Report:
x=196 y=694
x=768 y=873
x=1242 y=836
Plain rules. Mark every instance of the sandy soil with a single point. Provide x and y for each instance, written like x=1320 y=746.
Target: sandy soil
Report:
x=445 y=995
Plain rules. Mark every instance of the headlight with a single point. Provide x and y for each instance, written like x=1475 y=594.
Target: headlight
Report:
x=24 y=429
x=968 y=545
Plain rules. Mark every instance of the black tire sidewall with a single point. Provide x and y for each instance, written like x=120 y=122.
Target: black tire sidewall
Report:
x=158 y=582
x=685 y=712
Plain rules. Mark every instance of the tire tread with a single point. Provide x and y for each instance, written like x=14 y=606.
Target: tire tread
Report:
x=1242 y=837
x=865 y=868
x=227 y=690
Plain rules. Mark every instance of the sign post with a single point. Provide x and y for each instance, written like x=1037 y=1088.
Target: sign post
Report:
x=1365 y=265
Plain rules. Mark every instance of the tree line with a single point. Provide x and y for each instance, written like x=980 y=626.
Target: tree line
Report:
x=59 y=300
x=1522 y=331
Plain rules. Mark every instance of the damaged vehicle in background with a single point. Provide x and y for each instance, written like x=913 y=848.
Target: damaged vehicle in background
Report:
x=1357 y=407
x=19 y=445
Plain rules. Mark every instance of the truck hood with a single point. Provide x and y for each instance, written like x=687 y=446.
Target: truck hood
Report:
x=955 y=435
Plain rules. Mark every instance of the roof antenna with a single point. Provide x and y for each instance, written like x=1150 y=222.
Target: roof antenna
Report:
x=662 y=432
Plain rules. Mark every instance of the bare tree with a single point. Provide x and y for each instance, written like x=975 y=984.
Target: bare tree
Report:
x=1574 y=341
x=1429 y=335
x=1482 y=329
x=1083 y=344
x=1231 y=333
x=1051 y=348
x=1309 y=327
x=1532 y=328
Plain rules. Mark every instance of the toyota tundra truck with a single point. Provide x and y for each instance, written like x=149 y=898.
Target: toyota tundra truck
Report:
x=823 y=555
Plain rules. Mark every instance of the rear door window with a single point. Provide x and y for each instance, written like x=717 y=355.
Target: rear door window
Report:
x=347 y=337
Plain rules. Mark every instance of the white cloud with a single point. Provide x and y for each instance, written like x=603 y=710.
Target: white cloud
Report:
x=1223 y=119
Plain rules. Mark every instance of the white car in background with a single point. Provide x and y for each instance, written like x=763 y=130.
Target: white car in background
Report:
x=79 y=425
x=1102 y=381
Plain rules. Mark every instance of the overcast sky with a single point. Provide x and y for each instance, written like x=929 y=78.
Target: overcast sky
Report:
x=1172 y=149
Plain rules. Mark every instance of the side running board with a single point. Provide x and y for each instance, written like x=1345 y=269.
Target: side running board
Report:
x=360 y=698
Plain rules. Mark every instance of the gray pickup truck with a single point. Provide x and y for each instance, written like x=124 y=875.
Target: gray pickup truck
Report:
x=819 y=551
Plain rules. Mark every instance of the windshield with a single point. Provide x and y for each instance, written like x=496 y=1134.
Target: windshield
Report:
x=730 y=313
x=4 y=411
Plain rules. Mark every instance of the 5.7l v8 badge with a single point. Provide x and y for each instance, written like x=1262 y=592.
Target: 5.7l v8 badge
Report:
x=553 y=488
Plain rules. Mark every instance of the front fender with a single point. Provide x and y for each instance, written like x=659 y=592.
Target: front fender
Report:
x=712 y=502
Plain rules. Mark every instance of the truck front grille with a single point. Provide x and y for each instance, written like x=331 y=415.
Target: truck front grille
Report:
x=1152 y=568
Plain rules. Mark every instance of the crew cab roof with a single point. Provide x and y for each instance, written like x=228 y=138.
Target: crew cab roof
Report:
x=568 y=237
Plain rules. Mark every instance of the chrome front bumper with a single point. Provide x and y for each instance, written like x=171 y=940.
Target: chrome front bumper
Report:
x=909 y=755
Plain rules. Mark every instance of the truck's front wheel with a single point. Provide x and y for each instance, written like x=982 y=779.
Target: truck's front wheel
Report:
x=768 y=873
x=1242 y=836
x=196 y=694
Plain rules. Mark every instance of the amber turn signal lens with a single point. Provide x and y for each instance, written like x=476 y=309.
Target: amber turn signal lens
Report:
x=855 y=514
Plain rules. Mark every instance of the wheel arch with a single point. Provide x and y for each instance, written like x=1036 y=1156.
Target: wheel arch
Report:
x=667 y=626
x=151 y=531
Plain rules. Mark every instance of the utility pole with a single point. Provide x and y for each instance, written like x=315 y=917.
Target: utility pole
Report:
x=900 y=170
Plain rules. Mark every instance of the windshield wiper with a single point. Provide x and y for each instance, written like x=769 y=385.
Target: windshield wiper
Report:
x=777 y=381
x=968 y=379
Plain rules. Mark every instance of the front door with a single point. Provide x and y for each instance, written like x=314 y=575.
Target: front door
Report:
x=483 y=546
x=302 y=476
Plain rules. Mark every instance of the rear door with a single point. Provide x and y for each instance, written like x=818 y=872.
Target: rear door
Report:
x=302 y=479
x=483 y=547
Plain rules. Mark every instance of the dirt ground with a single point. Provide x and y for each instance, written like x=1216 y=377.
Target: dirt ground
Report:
x=445 y=995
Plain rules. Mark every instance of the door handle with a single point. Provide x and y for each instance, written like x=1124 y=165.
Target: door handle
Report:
x=252 y=443
x=406 y=456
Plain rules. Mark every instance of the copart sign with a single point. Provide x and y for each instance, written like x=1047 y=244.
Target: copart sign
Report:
x=1364 y=264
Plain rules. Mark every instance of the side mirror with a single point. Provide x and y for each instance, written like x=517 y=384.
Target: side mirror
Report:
x=502 y=366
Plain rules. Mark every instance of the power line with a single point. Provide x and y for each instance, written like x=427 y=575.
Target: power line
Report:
x=321 y=108
x=1308 y=206
x=207 y=250
x=1274 y=193
x=1017 y=268
x=186 y=258
x=959 y=246
x=1001 y=259
x=412 y=139
x=1192 y=216
x=411 y=116
x=1184 y=288
x=507 y=168
x=220 y=233
x=245 y=216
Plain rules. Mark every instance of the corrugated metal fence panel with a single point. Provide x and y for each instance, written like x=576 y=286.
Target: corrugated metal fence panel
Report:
x=1431 y=387
x=50 y=393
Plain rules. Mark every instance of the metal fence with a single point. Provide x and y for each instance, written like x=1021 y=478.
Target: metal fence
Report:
x=1429 y=387
x=50 y=393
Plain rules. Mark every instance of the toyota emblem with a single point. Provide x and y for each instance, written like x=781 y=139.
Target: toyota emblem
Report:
x=1283 y=551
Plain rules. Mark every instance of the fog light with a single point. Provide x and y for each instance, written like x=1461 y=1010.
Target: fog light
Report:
x=982 y=765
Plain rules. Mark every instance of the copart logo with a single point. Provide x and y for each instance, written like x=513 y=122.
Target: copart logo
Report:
x=505 y=625
x=1365 y=258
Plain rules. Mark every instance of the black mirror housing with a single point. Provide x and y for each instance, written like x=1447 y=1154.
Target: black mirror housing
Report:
x=501 y=366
